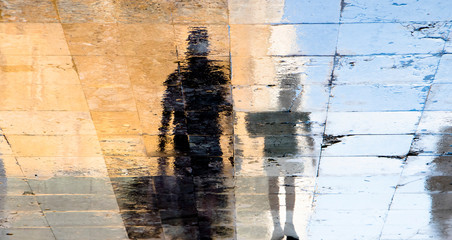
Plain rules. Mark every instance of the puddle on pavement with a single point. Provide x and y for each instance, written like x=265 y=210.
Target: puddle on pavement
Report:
x=225 y=120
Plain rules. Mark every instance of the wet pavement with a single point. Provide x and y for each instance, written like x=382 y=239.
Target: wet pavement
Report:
x=225 y=119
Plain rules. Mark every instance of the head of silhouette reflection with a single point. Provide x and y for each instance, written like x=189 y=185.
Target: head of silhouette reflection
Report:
x=198 y=43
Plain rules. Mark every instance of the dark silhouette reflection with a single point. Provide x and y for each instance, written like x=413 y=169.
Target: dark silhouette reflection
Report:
x=195 y=100
x=439 y=184
x=190 y=196
x=280 y=144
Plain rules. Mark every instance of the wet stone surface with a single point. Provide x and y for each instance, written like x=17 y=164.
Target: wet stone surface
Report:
x=215 y=119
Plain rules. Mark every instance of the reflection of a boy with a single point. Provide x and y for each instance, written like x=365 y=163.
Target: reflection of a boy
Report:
x=280 y=143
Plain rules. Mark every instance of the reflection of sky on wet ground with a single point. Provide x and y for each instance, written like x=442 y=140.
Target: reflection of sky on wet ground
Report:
x=225 y=119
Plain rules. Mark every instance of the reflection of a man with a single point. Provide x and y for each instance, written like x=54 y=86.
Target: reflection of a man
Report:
x=194 y=102
x=440 y=186
x=280 y=146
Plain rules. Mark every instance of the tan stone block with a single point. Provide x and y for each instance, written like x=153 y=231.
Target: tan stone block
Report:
x=207 y=12
x=147 y=39
x=55 y=146
x=151 y=72
x=62 y=166
x=16 y=97
x=59 y=97
x=92 y=38
x=250 y=40
x=33 y=11
x=79 y=11
x=116 y=122
x=37 y=70
x=122 y=145
x=10 y=166
x=110 y=99
x=46 y=122
x=119 y=166
x=32 y=39
x=102 y=71
x=149 y=11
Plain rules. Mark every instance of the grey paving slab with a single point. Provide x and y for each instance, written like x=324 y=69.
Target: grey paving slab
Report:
x=276 y=166
x=395 y=11
x=345 y=123
x=428 y=166
x=350 y=232
x=302 y=98
x=443 y=74
x=19 y=203
x=409 y=69
x=434 y=201
x=367 y=145
x=378 y=98
x=391 y=38
x=360 y=166
x=283 y=12
x=424 y=184
x=281 y=71
x=417 y=224
x=284 y=40
x=92 y=233
x=438 y=99
x=361 y=201
x=348 y=218
x=71 y=185
x=13 y=186
x=77 y=202
x=27 y=233
x=435 y=122
x=279 y=123
x=23 y=219
x=83 y=219
x=277 y=146
x=259 y=185
x=432 y=145
x=357 y=184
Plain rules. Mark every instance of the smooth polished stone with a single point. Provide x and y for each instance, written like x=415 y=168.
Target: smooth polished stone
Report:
x=437 y=99
x=391 y=38
x=378 y=98
x=283 y=12
x=30 y=12
x=432 y=145
x=394 y=69
x=283 y=40
x=360 y=166
x=281 y=71
x=345 y=123
x=436 y=122
x=35 y=39
x=443 y=74
x=61 y=167
x=395 y=11
x=368 y=145
x=92 y=38
x=55 y=146
x=57 y=70
x=46 y=122
x=303 y=98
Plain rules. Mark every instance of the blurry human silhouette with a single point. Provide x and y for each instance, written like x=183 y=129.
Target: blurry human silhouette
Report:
x=195 y=100
x=439 y=184
x=185 y=198
x=280 y=145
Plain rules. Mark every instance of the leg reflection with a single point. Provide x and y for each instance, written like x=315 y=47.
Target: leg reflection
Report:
x=281 y=146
